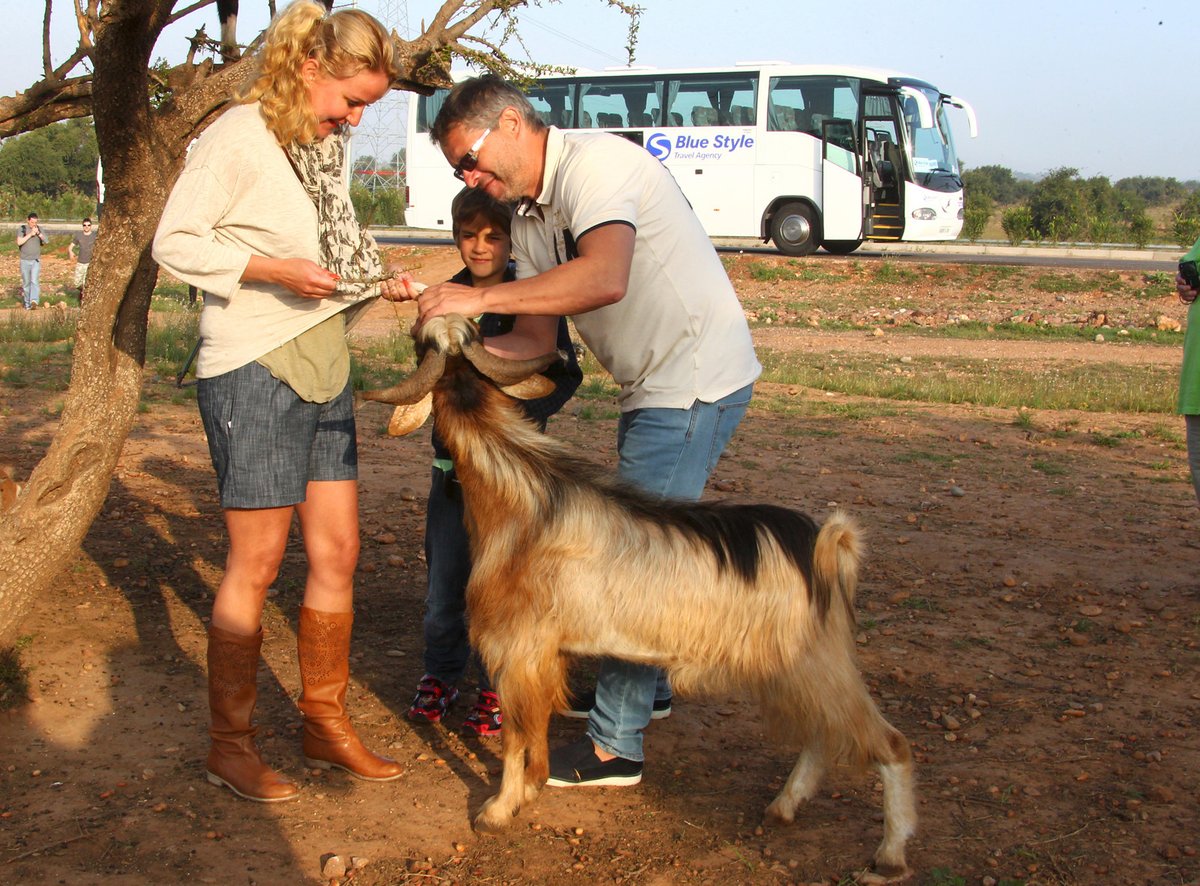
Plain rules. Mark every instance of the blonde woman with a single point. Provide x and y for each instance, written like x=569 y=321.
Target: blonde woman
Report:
x=261 y=221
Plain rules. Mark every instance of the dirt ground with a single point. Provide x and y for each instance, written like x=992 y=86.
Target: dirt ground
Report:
x=1028 y=618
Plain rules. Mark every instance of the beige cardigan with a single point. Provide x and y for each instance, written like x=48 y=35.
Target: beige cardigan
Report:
x=239 y=196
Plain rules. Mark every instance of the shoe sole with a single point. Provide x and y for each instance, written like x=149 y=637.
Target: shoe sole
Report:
x=583 y=715
x=424 y=718
x=611 y=781
x=222 y=783
x=325 y=764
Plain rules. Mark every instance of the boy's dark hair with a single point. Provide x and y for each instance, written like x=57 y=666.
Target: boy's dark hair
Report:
x=31 y=215
x=87 y=220
x=471 y=203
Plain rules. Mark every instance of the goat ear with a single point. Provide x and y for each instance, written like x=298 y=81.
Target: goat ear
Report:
x=532 y=388
x=407 y=418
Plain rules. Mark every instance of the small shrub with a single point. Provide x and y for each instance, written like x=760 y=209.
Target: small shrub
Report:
x=1017 y=223
x=1141 y=229
x=1186 y=221
x=975 y=219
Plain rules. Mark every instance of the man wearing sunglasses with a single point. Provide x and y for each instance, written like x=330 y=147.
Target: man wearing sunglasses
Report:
x=80 y=249
x=603 y=234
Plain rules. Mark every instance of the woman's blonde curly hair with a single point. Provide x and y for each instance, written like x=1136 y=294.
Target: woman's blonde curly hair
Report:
x=343 y=44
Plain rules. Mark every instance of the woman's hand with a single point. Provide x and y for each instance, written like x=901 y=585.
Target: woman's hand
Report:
x=307 y=279
x=300 y=276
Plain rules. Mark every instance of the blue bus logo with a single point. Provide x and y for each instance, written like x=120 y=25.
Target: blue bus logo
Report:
x=659 y=145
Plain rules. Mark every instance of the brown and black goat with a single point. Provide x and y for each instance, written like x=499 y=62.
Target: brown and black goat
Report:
x=568 y=562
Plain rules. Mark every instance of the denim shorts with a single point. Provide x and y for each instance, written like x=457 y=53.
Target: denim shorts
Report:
x=267 y=444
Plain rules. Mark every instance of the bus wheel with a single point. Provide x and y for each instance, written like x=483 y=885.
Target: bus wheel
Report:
x=794 y=229
x=841 y=247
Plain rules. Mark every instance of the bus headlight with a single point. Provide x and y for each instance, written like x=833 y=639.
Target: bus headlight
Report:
x=961 y=215
x=924 y=214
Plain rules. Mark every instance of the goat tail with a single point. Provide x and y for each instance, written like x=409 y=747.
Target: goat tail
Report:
x=836 y=556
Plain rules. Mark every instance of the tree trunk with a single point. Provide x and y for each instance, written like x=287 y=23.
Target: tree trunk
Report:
x=142 y=149
x=142 y=153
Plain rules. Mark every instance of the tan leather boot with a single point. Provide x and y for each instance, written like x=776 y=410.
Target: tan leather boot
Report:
x=233 y=760
x=329 y=739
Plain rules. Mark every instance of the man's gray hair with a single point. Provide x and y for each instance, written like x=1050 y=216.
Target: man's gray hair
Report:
x=477 y=104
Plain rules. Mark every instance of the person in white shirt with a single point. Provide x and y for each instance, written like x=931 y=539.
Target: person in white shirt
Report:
x=603 y=233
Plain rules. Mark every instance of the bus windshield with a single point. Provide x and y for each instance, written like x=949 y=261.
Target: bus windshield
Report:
x=933 y=154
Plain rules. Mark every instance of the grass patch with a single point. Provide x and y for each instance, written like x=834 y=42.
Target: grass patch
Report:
x=14 y=678
x=972 y=330
x=1096 y=387
x=765 y=273
x=919 y=455
x=1049 y=468
x=888 y=273
x=169 y=342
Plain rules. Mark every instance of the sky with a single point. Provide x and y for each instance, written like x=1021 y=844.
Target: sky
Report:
x=1108 y=88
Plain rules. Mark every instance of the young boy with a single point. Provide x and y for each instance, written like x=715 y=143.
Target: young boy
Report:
x=481 y=232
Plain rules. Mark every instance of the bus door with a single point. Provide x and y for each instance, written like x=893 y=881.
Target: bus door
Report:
x=841 y=185
x=885 y=167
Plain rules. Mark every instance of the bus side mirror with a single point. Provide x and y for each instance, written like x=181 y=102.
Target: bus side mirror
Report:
x=955 y=102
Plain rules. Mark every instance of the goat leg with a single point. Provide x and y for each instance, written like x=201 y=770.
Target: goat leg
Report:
x=525 y=693
x=801 y=785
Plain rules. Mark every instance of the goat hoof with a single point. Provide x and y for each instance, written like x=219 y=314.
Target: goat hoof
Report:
x=778 y=814
x=492 y=819
x=888 y=873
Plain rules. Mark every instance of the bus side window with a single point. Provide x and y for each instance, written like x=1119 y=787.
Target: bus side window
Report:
x=609 y=121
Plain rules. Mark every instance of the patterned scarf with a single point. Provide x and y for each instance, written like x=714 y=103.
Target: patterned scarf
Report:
x=345 y=247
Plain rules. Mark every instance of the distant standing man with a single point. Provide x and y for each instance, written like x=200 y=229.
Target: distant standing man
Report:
x=30 y=241
x=85 y=242
x=603 y=233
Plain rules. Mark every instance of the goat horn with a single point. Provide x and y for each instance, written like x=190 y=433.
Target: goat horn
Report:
x=502 y=370
x=417 y=385
x=406 y=417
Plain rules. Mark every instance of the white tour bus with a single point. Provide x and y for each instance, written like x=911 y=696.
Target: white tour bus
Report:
x=802 y=155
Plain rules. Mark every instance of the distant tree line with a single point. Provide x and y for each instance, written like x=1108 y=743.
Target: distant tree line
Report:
x=50 y=171
x=1064 y=207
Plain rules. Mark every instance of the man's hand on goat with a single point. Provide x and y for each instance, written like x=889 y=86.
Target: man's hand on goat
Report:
x=449 y=298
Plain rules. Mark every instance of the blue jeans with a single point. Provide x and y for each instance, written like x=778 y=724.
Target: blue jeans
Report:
x=448 y=558
x=31 y=289
x=668 y=453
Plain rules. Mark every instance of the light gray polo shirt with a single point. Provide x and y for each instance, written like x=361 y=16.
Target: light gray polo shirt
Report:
x=679 y=334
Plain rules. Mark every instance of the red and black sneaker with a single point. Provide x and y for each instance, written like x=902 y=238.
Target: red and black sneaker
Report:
x=485 y=718
x=432 y=700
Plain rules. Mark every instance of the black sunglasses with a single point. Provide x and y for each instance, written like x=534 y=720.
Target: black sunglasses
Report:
x=470 y=159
